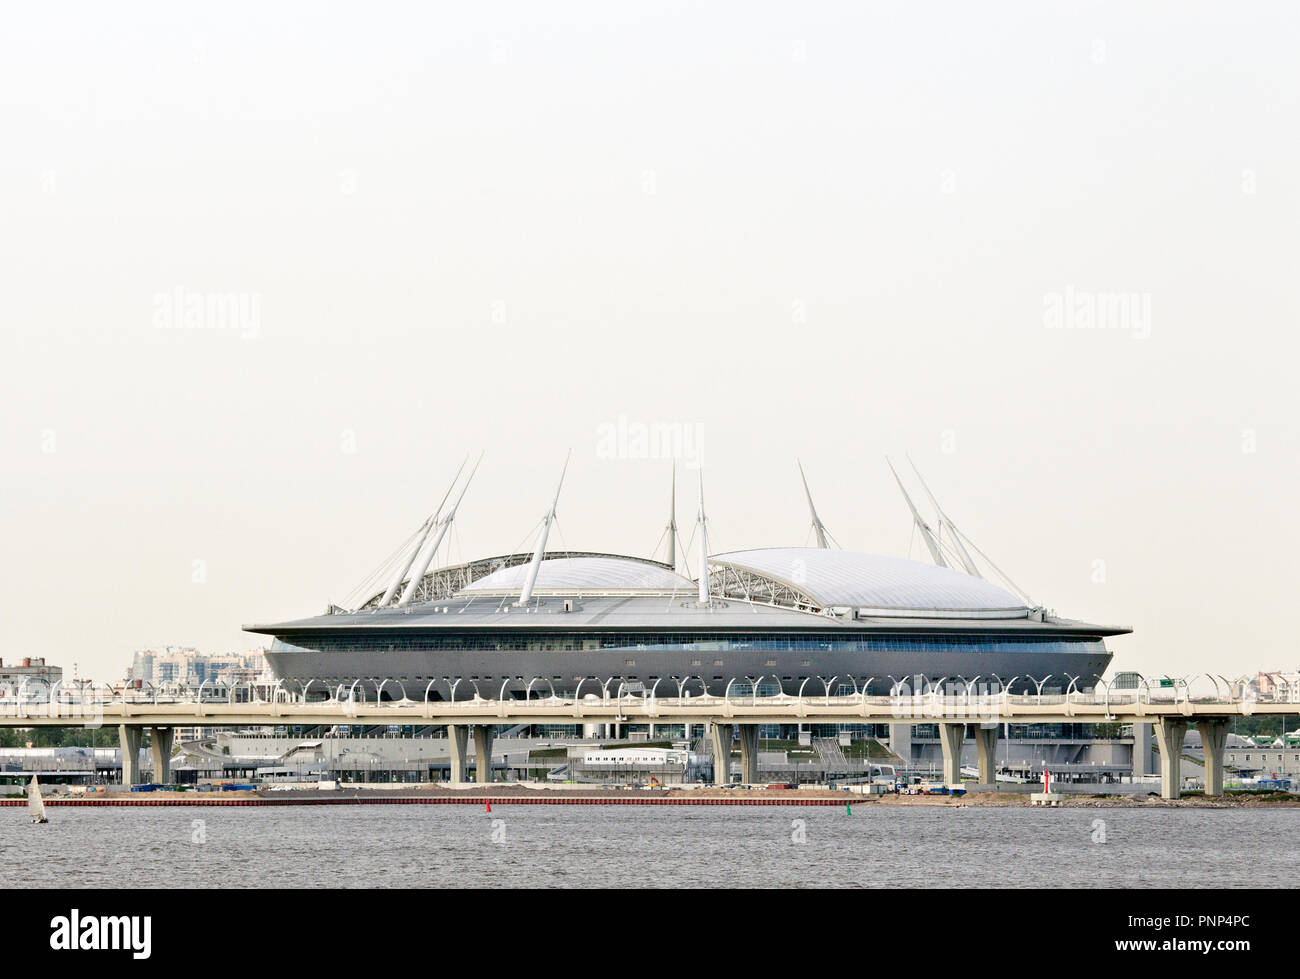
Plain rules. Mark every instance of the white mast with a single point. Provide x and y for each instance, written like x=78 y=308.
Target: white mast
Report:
x=818 y=527
x=927 y=534
x=535 y=565
x=423 y=533
x=672 y=523
x=443 y=526
x=967 y=562
x=704 y=549
x=429 y=524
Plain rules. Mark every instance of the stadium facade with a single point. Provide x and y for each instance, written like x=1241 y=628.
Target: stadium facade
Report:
x=575 y=623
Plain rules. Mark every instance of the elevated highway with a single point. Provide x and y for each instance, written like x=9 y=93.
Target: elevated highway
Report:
x=956 y=711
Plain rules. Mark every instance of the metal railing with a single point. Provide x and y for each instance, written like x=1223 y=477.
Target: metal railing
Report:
x=948 y=696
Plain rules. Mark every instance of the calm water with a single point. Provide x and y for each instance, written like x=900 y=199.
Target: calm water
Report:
x=575 y=846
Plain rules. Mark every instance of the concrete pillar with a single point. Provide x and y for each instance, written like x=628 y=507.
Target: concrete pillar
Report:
x=1141 y=749
x=900 y=741
x=160 y=748
x=1214 y=736
x=749 y=753
x=128 y=736
x=458 y=741
x=951 y=738
x=721 y=753
x=1170 y=733
x=483 y=735
x=986 y=747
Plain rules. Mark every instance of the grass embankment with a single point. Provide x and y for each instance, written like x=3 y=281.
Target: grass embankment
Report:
x=868 y=749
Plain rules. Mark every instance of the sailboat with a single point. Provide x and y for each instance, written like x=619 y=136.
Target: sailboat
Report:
x=35 y=804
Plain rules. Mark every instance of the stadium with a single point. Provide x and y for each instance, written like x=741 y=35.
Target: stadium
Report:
x=816 y=619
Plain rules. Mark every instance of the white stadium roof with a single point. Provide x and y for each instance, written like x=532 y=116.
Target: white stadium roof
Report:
x=806 y=577
x=586 y=574
x=871 y=581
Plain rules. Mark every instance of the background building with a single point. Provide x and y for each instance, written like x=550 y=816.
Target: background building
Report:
x=183 y=664
x=32 y=669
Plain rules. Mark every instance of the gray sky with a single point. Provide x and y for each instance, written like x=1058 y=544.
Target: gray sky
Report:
x=1051 y=254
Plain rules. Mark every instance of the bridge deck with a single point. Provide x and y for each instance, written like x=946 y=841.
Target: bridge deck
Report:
x=996 y=709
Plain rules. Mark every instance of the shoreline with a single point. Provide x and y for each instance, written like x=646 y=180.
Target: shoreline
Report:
x=522 y=795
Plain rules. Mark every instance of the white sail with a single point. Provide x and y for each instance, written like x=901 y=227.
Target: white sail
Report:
x=35 y=804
